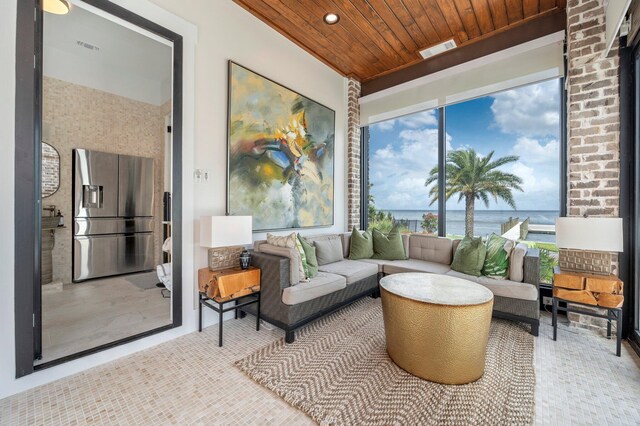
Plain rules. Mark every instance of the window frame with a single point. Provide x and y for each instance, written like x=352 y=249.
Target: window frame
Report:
x=442 y=157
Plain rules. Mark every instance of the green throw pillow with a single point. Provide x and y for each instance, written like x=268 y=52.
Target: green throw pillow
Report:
x=361 y=246
x=310 y=254
x=469 y=256
x=388 y=247
x=496 y=264
x=303 y=258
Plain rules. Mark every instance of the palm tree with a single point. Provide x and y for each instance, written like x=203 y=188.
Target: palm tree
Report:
x=474 y=177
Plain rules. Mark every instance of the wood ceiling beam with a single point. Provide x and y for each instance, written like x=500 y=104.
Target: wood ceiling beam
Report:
x=509 y=37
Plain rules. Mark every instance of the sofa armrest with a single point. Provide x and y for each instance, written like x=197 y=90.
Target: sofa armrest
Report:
x=532 y=267
x=274 y=270
x=274 y=277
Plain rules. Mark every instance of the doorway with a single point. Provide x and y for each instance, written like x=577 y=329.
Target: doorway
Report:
x=100 y=181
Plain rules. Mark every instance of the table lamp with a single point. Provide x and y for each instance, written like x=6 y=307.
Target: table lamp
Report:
x=586 y=243
x=225 y=237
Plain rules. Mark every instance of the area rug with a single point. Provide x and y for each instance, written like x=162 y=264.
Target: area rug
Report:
x=338 y=372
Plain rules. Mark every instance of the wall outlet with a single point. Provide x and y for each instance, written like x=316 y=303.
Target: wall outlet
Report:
x=547 y=300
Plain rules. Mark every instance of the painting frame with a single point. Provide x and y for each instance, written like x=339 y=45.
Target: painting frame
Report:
x=229 y=165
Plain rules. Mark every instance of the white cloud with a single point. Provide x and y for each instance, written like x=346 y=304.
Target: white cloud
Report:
x=420 y=119
x=384 y=126
x=533 y=151
x=411 y=121
x=532 y=110
x=398 y=171
x=533 y=181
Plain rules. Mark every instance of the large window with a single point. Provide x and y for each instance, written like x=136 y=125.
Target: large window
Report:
x=402 y=152
x=502 y=169
x=503 y=155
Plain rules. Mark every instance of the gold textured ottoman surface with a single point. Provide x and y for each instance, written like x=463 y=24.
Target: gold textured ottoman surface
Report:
x=436 y=326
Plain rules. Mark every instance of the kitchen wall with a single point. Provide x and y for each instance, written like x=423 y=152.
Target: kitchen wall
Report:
x=75 y=117
x=213 y=33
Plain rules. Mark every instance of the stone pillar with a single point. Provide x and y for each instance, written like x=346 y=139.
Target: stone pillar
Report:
x=353 y=154
x=593 y=105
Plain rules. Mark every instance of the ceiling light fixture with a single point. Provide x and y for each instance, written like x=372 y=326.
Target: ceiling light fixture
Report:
x=331 y=18
x=57 y=7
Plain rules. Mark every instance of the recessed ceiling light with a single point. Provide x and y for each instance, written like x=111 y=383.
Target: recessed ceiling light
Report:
x=57 y=7
x=331 y=18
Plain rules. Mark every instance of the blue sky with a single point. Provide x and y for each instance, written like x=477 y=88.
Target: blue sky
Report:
x=522 y=122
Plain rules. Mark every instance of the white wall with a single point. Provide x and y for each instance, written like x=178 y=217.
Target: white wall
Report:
x=224 y=31
x=129 y=62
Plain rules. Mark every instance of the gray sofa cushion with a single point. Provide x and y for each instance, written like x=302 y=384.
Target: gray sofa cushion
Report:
x=379 y=262
x=504 y=288
x=352 y=270
x=430 y=248
x=320 y=285
x=454 y=246
x=328 y=251
x=346 y=244
x=414 y=265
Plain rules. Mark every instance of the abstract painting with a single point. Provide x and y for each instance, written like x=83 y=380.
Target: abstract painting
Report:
x=280 y=154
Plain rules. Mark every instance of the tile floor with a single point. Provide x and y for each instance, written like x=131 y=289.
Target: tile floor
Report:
x=191 y=381
x=85 y=315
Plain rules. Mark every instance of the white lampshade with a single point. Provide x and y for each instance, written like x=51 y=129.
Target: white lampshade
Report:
x=225 y=231
x=591 y=233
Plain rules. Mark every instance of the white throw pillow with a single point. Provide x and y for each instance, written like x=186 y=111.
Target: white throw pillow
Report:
x=516 y=262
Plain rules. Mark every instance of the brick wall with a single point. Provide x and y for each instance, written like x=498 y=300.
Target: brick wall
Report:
x=353 y=154
x=593 y=109
x=593 y=121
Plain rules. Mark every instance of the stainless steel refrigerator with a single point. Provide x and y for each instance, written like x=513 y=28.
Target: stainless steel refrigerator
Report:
x=113 y=214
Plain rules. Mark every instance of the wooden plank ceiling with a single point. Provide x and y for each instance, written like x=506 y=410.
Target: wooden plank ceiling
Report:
x=376 y=37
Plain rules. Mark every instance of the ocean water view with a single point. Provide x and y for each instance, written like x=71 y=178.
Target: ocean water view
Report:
x=485 y=221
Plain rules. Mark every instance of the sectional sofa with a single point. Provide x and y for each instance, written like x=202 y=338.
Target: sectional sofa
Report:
x=290 y=304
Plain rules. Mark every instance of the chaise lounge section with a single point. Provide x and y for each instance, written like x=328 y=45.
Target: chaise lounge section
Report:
x=289 y=304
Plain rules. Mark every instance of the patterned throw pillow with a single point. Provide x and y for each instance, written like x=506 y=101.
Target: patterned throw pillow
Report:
x=496 y=263
x=290 y=241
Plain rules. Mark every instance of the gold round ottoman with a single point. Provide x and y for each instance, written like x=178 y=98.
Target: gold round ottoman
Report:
x=436 y=326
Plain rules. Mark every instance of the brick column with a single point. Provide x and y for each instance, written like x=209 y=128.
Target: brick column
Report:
x=353 y=154
x=593 y=106
x=594 y=113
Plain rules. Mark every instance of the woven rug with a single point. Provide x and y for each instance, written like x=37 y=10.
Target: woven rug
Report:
x=338 y=372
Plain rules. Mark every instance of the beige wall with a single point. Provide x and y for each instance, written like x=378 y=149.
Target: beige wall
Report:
x=79 y=117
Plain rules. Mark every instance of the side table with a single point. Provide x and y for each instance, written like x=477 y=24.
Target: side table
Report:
x=613 y=314
x=233 y=285
x=579 y=290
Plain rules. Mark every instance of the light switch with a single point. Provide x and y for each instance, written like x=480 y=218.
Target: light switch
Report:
x=201 y=175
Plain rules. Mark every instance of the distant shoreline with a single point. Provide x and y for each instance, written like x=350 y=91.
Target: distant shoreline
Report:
x=485 y=222
x=462 y=210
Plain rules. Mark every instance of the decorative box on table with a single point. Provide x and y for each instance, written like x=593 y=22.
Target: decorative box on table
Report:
x=228 y=283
